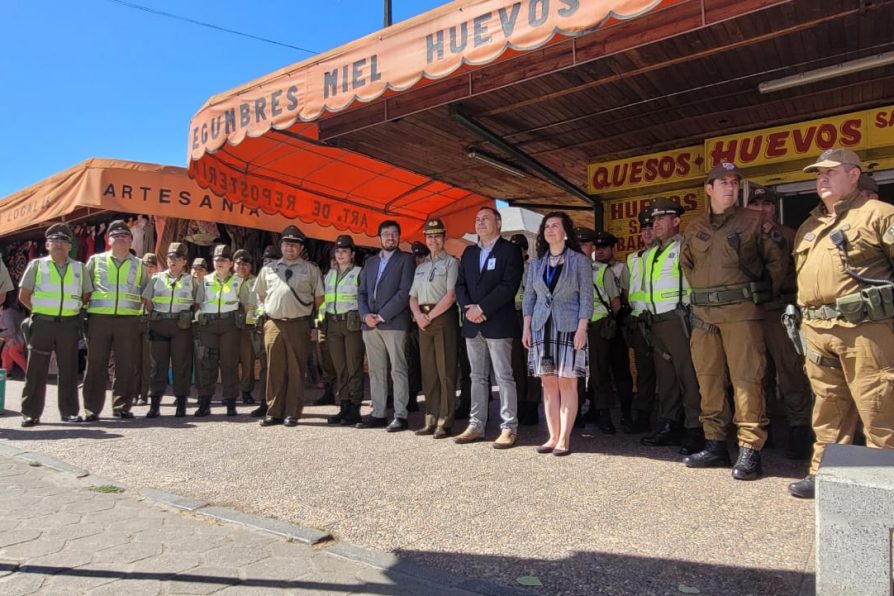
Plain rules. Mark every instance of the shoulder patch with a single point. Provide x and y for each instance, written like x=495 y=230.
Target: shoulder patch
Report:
x=703 y=236
x=767 y=227
x=809 y=236
x=888 y=236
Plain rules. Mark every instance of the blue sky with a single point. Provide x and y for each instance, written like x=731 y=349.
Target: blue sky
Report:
x=92 y=78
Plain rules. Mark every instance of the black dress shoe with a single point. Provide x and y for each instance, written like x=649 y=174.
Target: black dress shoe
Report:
x=669 y=434
x=72 y=419
x=561 y=452
x=290 y=421
x=270 y=421
x=91 y=418
x=804 y=488
x=123 y=415
x=372 y=422
x=545 y=449
x=693 y=442
x=247 y=398
x=260 y=411
x=28 y=421
x=397 y=425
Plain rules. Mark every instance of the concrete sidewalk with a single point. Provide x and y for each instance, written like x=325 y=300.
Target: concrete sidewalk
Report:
x=613 y=518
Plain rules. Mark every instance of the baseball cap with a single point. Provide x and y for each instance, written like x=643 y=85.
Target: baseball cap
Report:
x=722 y=170
x=835 y=157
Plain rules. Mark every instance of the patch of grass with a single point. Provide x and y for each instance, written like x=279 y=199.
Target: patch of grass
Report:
x=107 y=488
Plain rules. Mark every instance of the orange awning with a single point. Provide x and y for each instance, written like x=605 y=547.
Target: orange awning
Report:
x=259 y=144
x=98 y=185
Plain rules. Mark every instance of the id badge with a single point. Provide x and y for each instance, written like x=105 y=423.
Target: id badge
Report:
x=492 y=263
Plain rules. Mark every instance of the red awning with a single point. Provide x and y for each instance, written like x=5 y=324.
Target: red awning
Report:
x=259 y=143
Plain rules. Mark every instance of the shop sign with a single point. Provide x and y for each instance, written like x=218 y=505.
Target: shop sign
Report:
x=643 y=171
x=622 y=215
x=869 y=129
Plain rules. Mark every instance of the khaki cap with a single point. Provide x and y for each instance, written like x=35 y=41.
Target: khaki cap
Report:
x=835 y=157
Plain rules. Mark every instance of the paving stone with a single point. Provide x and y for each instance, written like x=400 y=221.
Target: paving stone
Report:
x=202 y=580
x=8 y=566
x=280 y=568
x=127 y=553
x=231 y=555
x=166 y=564
x=16 y=536
x=130 y=587
x=19 y=584
x=33 y=548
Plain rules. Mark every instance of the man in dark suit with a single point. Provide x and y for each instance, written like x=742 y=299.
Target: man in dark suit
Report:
x=490 y=274
x=384 y=304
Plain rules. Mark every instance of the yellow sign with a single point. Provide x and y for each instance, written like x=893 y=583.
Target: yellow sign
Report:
x=646 y=170
x=803 y=141
x=622 y=215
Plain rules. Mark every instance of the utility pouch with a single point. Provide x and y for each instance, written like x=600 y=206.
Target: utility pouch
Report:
x=760 y=291
x=609 y=328
x=184 y=320
x=851 y=307
x=239 y=319
x=879 y=302
x=353 y=320
x=201 y=319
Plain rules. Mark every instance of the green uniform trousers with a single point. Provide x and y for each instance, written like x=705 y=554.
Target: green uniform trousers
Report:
x=346 y=350
x=218 y=349
x=437 y=351
x=287 y=343
x=171 y=347
x=678 y=396
x=797 y=399
x=644 y=399
x=738 y=346
x=246 y=360
x=105 y=334
x=862 y=388
x=49 y=335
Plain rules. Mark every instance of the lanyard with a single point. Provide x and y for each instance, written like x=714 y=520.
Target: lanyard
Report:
x=551 y=271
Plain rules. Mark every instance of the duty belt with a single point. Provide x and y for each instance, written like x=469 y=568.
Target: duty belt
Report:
x=821 y=360
x=337 y=317
x=426 y=308
x=826 y=312
x=217 y=316
x=665 y=316
x=284 y=320
x=721 y=295
x=164 y=315
x=57 y=319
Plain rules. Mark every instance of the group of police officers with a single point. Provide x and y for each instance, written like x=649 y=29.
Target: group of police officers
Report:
x=708 y=315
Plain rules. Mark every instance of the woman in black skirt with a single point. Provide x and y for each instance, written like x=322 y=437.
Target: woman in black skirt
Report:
x=557 y=308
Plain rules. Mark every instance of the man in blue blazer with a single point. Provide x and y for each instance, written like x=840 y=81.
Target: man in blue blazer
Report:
x=384 y=305
x=490 y=274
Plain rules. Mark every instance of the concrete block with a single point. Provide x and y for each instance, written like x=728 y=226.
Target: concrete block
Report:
x=55 y=464
x=855 y=521
x=273 y=526
x=171 y=499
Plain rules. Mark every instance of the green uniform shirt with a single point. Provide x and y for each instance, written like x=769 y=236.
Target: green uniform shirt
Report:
x=5 y=280
x=272 y=288
x=30 y=276
x=434 y=278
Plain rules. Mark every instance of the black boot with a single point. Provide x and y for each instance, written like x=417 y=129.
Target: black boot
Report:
x=693 y=442
x=604 y=422
x=748 y=466
x=626 y=420
x=328 y=397
x=800 y=443
x=154 y=404
x=669 y=434
x=342 y=412
x=231 y=407
x=352 y=416
x=204 y=408
x=261 y=410
x=714 y=455
x=804 y=488
x=247 y=398
x=641 y=423
x=180 y=412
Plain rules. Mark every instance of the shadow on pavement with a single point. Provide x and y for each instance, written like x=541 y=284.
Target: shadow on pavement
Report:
x=43 y=433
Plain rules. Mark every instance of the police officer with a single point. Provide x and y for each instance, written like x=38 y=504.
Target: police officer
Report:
x=199 y=269
x=6 y=284
x=271 y=255
x=666 y=319
x=601 y=333
x=221 y=299
x=119 y=279
x=344 y=340
x=433 y=302
x=784 y=362
x=242 y=259
x=645 y=367
x=844 y=253
x=733 y=265
x=54 y=288
x=414 y=365
x=290 y=289
x=144 y=369
x=528 y=387
x=170 y=299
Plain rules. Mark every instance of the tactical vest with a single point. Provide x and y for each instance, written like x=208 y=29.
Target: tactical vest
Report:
x=340 y=295
x=172 y=296
x=55 y=296
x=116 y=290
x=665 y=282
x=601 y=301
x=221 y=297
x=638 y=297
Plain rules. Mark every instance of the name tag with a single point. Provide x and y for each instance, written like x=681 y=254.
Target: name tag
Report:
x=491 y=263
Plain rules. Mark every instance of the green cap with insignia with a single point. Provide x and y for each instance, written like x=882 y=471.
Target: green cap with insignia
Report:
x=665 y=206
x=271 y=252
x=419 y=249
x=222 y=251
x=59 y=231
x=119 y=228
x=519 y=240
x=344 y=241
x=177 y=249
x=150 y=259
x=761 y=193
x=605 y=239
x=433 y=226
x=645 y=218
x=199 y=263
x=835 y=157
x=722 y=170
x=242 y=255
x=293 y=234
x=584 y=234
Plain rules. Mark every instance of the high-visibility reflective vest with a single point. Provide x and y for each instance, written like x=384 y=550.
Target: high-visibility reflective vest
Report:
x=116 y=290
x=221 y=297
x=251 y=310
x=340 y=295
x=601 y=301
x=56 y=296
x=171 y=295
x=520 y=295
x=666 y=285
x=637 y=296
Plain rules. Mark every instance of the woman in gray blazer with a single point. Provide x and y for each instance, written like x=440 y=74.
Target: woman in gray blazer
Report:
x=557 y=308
